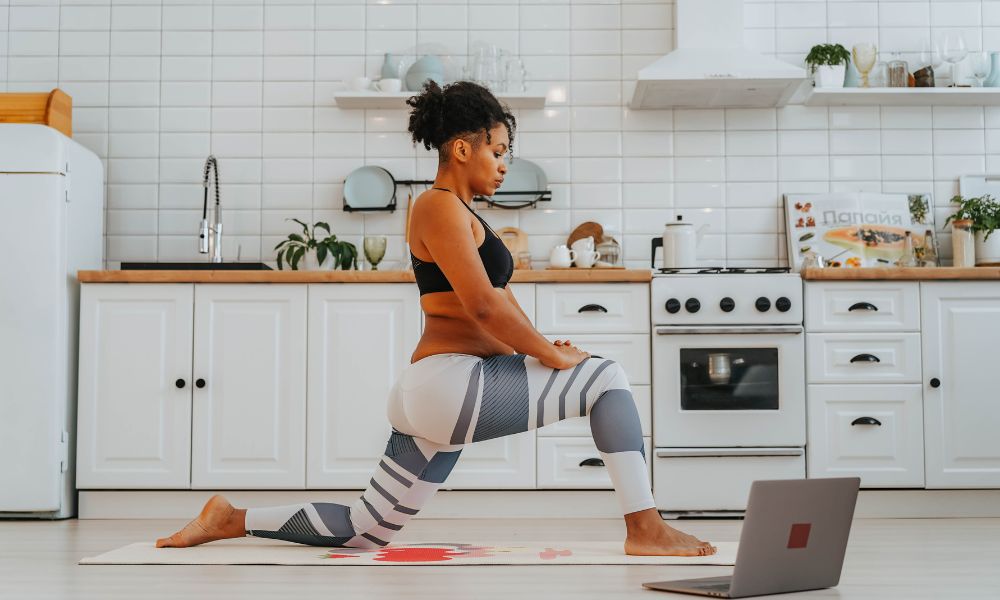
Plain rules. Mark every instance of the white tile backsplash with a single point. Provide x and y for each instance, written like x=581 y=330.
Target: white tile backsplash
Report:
x=157 y=85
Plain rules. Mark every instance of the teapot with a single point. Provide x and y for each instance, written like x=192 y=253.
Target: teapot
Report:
x=680 y=244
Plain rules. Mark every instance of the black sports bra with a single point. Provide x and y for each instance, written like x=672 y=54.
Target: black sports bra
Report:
x=495 y=256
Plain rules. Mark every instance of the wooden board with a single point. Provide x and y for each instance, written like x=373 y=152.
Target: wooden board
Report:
x=902 y=274
x=587 y=228
x=54 y=109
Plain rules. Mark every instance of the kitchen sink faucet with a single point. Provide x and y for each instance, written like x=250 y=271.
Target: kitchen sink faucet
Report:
x=210 y=236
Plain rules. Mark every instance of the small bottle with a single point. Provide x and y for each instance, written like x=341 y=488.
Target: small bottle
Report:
x=962 y=243
x=907 y=259
x=930 y=258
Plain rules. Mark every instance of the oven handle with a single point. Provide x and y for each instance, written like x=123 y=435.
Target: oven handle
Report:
x=723 y=452
x=679 y=330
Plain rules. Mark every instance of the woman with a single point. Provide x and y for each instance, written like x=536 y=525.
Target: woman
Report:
x=480 y=369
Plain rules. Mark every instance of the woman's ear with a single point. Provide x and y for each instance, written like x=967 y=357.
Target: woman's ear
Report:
x=461 y=150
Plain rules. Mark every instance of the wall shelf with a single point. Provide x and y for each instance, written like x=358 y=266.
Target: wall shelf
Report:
x=347 y=99
x=938 y=96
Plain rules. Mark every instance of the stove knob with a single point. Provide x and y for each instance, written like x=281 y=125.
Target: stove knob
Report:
x=673 y=305
x=692 y=305
x=763 y=304
x=783 y=304
x=727 y=304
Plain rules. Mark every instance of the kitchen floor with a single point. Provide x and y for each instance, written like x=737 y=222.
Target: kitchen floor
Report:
x=897 y=558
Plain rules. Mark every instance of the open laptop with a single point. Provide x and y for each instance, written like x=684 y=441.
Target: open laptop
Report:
x=794 y=538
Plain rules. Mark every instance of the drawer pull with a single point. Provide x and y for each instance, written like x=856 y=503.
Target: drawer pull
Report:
x=935 y=382
x=863 y=306
x=870 y=358
x=180 y=383
x=591 y=462
x=199 y=383
x=866 y=421
x=592 y=308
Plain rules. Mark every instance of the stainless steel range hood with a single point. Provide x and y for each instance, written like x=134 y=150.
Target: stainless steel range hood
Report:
x=711 y=68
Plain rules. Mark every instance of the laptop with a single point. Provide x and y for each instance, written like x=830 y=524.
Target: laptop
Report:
x=794 y=538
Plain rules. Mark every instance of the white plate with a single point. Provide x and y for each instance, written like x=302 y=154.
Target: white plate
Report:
x=522 y=175
x=369 y=187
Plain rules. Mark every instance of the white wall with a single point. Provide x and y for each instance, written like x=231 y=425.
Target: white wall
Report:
x=159 y=84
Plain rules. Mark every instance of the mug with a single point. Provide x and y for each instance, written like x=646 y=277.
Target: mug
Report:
x=360 y=84
x=390 y=85
x=586 y=258
x=584 y=244
x=562 y=256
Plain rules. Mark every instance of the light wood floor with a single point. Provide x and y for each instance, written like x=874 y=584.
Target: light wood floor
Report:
x=898 y=558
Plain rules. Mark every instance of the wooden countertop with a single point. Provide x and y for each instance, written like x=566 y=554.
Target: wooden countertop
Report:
x=520 y=276
x=903 y=274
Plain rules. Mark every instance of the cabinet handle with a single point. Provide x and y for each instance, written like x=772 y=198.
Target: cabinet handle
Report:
x=871 y=358
x=199 y=383
x=935 y=382
x=863 y=306
x=180 y=383
x=591 y=462
x=866 y=421
x=592 y=308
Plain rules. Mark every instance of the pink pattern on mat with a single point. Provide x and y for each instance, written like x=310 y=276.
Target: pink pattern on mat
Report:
x=551 y=554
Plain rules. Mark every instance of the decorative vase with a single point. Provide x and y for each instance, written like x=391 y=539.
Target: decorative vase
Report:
x=830 y=76
x=310 y=262
x=390 y=67
x=427 y=67
x=852 y=78
x=994 y=77
x=988 y=250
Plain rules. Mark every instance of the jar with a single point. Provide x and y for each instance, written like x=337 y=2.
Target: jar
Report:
x=962 y=243
x=609 y=251
x=879 y=75
x=899 y=74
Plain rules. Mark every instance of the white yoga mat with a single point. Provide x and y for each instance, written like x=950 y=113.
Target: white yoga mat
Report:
x=237 y=552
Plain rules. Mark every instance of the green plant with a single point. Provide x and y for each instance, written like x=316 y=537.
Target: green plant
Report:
x=291 y=251
x=827 y=54
x=983 y=211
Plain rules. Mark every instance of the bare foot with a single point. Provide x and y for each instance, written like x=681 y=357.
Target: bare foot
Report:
x=648 y=535
x=218 y=520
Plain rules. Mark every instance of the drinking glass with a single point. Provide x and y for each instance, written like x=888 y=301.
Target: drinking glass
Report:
x=864 y=59
x=515 y=76
x=374 y=249
x=954 y=52
x=980 y=63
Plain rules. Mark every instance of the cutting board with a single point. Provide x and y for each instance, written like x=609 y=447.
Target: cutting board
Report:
x=54 y=109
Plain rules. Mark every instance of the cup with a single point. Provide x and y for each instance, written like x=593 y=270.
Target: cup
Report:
x=360 y=84
x=561 y=256
x=390 y=85
x=586 y=258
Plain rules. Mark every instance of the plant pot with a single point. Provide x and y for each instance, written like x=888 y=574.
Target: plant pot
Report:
x=310 y=262
x=988 y=251
x=830 y=76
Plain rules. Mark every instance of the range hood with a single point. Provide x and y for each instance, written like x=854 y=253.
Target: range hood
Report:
x=711 y=68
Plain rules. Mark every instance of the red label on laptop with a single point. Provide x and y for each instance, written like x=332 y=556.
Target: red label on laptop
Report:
x=799 y=536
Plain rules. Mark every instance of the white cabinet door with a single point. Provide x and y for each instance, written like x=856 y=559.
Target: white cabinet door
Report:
x=361 y=337
x=502 y=463
x=134 y=413
x=961 y=333
x=248 y=429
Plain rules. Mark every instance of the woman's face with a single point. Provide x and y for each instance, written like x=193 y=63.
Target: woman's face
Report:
x=486 y=168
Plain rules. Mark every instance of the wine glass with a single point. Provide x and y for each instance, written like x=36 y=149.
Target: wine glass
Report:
x=374 y=249
x=864 y=59
x=954 y=51
x=980 y=64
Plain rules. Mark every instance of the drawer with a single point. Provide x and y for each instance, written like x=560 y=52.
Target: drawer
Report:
x=684 y=481
x=631 y=351
x=863 y=358
x=872 y=432
x=592 y=308
x=559 y=464
x=863 y=306
x=580 y=426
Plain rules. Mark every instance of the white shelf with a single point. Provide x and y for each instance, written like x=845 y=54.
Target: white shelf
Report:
x=398 y=100
x=941 y=96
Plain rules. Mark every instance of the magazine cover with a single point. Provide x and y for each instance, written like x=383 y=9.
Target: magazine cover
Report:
x=858 y=229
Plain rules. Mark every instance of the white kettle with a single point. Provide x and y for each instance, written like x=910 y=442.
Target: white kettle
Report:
x=680 y=244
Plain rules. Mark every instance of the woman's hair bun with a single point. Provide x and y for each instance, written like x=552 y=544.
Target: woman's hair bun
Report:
x=427 y=116
x=439 y=114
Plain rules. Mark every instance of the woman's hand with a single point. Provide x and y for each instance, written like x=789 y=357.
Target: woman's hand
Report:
x=567 y=356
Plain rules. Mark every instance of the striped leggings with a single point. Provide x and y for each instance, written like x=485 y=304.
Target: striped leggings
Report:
x=444 y=401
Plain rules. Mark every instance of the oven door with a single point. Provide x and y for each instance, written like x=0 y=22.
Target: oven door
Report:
x=729 y=386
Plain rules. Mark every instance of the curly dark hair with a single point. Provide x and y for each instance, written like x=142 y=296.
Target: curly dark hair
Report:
x=461 y=109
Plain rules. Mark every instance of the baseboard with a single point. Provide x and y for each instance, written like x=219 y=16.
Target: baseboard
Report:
x=468 y=504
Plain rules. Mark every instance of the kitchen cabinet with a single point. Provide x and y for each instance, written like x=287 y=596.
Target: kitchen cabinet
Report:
x=134 y=387
x=249 y=369
x=361 y=337
x=961 y=331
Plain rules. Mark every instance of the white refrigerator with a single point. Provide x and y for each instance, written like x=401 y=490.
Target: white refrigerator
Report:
x=51 y=225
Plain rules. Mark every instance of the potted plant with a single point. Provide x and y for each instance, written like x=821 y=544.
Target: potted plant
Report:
x=326 y=253
x=829 y=63
x=984 y=213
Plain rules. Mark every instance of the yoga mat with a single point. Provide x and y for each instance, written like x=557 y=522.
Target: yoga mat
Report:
x=239 y=552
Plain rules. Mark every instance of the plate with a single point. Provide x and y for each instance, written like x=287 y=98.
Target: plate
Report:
x=522 y=175
x=369 y=187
